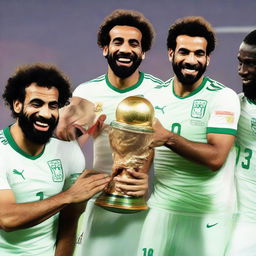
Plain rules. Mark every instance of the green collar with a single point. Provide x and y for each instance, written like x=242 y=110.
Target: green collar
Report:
x=199 y=88
x=251 y=101
x=13 y=144
x=126 y=89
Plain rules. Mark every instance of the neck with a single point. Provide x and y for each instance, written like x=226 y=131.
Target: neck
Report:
x=182 y=90
x=28 y=147
x=123 y=83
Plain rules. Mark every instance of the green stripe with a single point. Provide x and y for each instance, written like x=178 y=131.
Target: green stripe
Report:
x=221 y=130
x=13 y=144
x=153 y=78
x=98 y=79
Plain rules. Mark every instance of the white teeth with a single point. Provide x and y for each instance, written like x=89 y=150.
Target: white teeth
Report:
x=124 y=60
x=190 y=70
x=41 y=124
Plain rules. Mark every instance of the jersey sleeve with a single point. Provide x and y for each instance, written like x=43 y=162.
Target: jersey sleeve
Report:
x=76 y=164
x=4 y=184
x=224 y=113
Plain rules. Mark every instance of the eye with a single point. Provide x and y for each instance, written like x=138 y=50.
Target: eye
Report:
x=200 y=53
x=54 y=105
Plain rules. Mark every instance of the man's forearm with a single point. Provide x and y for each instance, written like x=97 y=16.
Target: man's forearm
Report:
x=15 y=216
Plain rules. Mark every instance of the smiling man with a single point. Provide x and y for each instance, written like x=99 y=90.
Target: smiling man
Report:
x=37 y=171
x=124 y=36
x=193 y=200
x=243 y=241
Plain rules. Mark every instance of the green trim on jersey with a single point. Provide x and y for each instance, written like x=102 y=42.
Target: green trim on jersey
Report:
x=221 y=130
x=126 y=89
x=13 y=144
x=98 y=79
x=153 y=78
x=251 y=101
x=198 y=89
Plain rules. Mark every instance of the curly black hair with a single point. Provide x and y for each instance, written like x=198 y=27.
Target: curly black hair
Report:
x=250 y=38
x=192 y=26
x=43 y=75
x=131 y=18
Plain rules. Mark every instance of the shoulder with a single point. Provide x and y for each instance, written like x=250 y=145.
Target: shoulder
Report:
x=152 y=79
x=218 y=88
x=64 y=146
x=98 y=81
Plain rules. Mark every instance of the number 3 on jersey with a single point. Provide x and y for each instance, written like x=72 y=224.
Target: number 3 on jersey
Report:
x=247 y=157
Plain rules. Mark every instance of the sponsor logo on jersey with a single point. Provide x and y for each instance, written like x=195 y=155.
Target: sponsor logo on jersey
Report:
x=211 y=225
x=198 y=108
x=227 y=115
x=56 y=169
x=160 y=108
x=14 y=171
x=253 y=125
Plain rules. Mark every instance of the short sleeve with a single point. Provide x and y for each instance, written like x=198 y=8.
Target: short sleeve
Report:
x=4 y=184
x=224 y=113
x=76 y=164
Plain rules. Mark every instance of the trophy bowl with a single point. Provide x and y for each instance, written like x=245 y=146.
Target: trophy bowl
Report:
x=130 y=136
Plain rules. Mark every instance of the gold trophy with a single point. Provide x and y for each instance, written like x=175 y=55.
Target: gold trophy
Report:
x=130 y=136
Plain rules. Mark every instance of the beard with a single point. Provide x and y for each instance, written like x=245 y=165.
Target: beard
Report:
x=188 y=79
x=35 y=136
x=123 y=71
x=249 y=90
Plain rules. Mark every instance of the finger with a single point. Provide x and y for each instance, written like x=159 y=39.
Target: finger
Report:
x=96 y=190
x=132 y=188
x=97 y=179
x=137 y=194
x=130 y=181
x=138 y=175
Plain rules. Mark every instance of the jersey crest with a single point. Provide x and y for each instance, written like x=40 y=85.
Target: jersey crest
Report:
x=56 y=170
x=198 y=108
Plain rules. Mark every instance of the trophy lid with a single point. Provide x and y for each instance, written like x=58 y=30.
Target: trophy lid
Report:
x=135 y=111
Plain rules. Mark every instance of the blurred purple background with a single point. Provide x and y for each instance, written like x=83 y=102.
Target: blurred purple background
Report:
x=63 y=32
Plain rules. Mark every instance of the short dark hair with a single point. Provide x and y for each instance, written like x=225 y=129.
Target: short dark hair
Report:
x=43 y=75
x=192 y=26
x=250 y=38
x=131 y=18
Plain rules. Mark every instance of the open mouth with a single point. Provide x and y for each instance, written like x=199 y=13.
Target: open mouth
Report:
x=188 y=71
x=40 y=126
x=124 y=61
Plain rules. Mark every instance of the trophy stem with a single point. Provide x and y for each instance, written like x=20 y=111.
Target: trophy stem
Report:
x=121 y=203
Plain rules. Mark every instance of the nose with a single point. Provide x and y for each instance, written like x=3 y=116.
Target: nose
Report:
x=191 y=58
x=242 y=69
x=45 y=112
x=125 y=47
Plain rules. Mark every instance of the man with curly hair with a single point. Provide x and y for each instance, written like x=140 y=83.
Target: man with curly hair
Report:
x=193 y=201
x=124 y=36
x=37 y=171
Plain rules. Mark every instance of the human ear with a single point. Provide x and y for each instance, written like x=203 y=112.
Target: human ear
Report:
x=17 y=106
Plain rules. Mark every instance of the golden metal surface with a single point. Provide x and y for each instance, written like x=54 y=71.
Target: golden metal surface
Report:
x=135 y=110
x=130 y=137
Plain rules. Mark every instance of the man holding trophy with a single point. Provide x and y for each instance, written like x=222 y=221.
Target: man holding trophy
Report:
x=124 y=37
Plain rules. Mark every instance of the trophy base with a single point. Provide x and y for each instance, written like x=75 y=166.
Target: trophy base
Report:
x=121 y=203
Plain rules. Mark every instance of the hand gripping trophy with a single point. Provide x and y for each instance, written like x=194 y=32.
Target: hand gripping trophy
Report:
x=130 y=136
